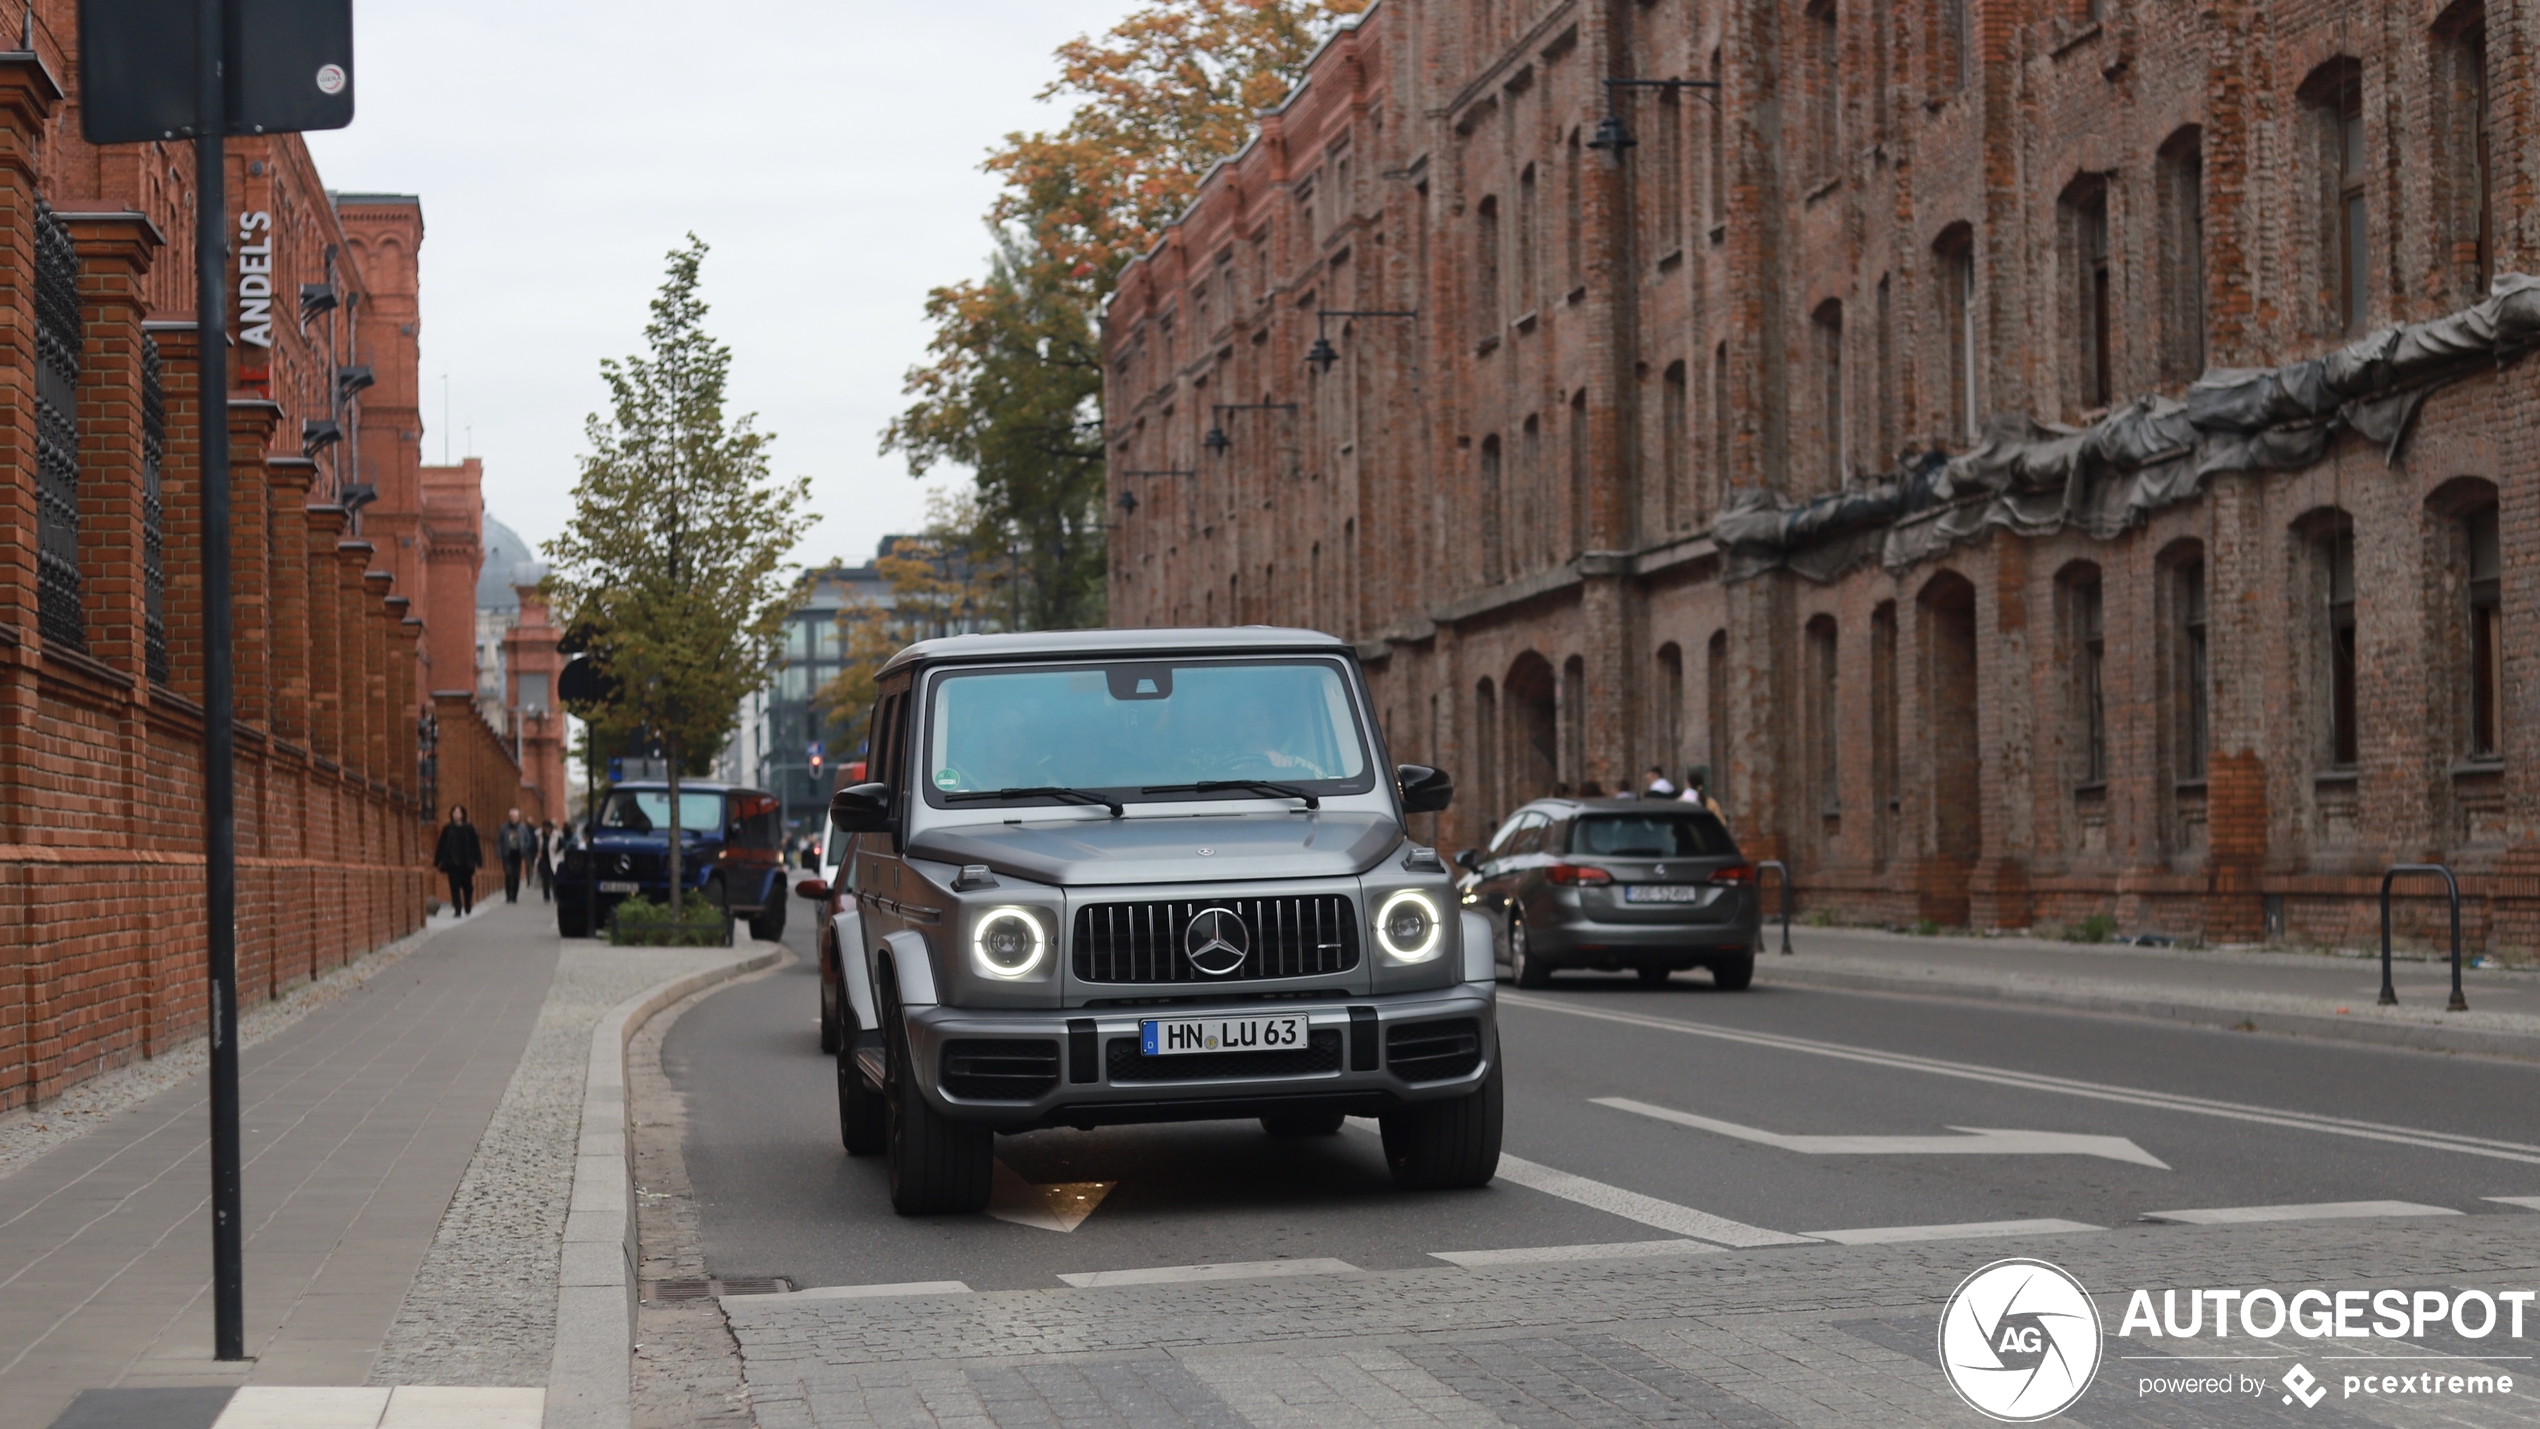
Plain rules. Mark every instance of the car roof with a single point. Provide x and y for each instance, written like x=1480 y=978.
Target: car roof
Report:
x=1246 y=639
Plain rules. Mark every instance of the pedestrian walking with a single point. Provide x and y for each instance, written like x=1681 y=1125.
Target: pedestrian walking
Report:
x=1660 y=786
x=1697 y=780
x=459 y=855
x=517 y=843
x=547 y=860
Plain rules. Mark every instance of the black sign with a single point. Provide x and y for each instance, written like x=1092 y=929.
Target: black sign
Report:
x=289 y=67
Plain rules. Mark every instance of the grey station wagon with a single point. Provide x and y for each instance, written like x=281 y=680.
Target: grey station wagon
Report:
x=1648 y=884
x=1118 y=876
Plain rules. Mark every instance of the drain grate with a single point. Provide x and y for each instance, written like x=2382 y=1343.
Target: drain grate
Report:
x=709 y=1288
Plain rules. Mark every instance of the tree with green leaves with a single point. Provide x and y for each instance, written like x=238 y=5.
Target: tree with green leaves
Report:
x=674 y=562
x=1013 y=384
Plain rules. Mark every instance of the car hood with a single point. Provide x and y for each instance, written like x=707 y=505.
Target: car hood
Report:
x=1211 y=847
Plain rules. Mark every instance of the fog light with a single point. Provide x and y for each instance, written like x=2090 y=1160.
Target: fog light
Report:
x=1008 y=943
x=1408 y=927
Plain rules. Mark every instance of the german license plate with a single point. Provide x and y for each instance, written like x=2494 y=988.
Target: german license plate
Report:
x=612 y=887
x=1663 y=892
x=1163 y=1037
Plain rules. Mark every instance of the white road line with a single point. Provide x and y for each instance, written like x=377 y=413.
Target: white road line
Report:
x=1232 y=1270
x=2528 y=1203
x=2064 y=1086
x=1968 y=1140
x=1611 y=1250
x=859 y=1292
x=1633 y=1206
x=2316 y=1211
x=1966 y=1230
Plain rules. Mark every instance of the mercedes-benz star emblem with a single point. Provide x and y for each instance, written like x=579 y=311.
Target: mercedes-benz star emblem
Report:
x=1661 y=870
x=1216 y=941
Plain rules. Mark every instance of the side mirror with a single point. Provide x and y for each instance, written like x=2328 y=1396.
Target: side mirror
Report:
x=1469 y=860
x=813 y=889
x=1424 y=790
x=861 y=809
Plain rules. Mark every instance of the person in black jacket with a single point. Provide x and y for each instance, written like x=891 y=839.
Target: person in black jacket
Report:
x=459 y=855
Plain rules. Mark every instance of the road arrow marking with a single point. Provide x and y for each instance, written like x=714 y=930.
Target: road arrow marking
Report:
x=1633 y=1206
x=1062 y=1206
x=1970 y=1140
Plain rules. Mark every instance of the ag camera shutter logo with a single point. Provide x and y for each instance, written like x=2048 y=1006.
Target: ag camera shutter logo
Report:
x=2020 y=1341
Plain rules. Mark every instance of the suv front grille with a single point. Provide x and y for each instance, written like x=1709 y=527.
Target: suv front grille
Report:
x=1295 y=936
x=1322 y=1053
x=1433 y=1051
x=1000 y=1069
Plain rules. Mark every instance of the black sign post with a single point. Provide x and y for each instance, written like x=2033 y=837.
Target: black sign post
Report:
x=247 y=67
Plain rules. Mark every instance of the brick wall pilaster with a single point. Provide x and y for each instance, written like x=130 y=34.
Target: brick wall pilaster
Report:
x=252 y=557
x=325 y=524
x=115 y=252
x=352 y=646
x=287 y=481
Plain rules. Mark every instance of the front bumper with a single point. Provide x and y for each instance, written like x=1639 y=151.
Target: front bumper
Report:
x=1102 y=1079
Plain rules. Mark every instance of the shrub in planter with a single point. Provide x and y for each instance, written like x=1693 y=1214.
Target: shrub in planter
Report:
x=640 y=922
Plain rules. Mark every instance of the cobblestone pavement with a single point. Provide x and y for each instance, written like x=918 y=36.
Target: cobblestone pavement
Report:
x=1810 y=1337
x=482 y=1307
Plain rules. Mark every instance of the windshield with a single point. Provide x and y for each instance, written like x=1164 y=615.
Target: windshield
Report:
x=1126 y=728
x=1651 y=836
x=644 y=811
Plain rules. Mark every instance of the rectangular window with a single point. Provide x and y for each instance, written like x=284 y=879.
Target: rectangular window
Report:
x=1715 y=692
x=1486 y=267
x=1824 y=747
x=1957 y=286
x=1886 y=778
x=2461 y=118
x=1722 y=420
x=1883 y=373
x=1719 y=143
x=2183 y=257
x=2089 y=655
x=1670 y=197
x=2190 y=732
x=1571 y=210
x=2086 y=221
x=2486 y=636
x=1828 y=331
x=1671 y=442
x=2354 y=253
x=1528 y=215
x=1825 y=96
x=2338 y=552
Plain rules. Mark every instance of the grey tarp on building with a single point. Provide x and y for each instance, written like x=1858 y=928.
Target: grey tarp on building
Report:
x=2035 y=477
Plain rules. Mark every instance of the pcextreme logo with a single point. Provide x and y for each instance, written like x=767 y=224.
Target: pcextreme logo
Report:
x=2019 y=1341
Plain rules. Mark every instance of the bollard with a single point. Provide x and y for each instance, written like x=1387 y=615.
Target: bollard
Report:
x=2390 y=994
x=1784 y=870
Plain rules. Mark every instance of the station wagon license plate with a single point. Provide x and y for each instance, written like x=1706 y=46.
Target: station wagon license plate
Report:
x=616 y=887
x=1664 y=892
x=1165 y=1037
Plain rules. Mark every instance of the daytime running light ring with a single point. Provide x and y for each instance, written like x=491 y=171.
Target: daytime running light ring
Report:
x=987 y=964
x=1428 y=947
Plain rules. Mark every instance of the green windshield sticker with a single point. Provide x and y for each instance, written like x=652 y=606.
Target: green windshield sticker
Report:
x=946 y=779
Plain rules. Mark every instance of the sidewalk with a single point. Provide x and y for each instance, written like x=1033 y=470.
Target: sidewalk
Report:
x=411 y=1154
x=2301 y=993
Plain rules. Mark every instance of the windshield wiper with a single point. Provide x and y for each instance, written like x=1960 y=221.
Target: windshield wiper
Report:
x=1053 y=791
x=1258 y=786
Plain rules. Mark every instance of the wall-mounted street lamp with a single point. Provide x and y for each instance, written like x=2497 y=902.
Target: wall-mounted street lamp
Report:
x=1216 y=440
x=1612 y=137
x=1322 y=355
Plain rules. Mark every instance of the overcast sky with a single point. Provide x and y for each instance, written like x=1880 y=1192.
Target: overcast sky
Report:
x=828 y=151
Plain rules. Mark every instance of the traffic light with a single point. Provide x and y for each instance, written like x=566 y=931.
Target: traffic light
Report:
x=815 y=752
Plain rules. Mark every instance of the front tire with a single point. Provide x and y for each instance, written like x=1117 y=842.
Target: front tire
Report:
x=572 y=919
x=768 y=923
x=1446 y=1146
x=939 y=1166
x=861 y=1126
x=1524 y=968
x=1733 y=974
x=832 y=1034
x=1303 y=1123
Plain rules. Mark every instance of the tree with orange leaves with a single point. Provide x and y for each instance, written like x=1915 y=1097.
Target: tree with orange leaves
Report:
x=1013 y=387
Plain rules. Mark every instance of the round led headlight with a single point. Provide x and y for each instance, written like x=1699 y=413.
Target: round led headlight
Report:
x=1007 y=943
x=1408 y=927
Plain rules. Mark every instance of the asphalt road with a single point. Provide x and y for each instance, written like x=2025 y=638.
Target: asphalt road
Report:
x=2233 y=1120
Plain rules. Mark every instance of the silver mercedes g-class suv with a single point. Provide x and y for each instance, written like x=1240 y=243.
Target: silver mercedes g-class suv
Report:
x=1114 y=876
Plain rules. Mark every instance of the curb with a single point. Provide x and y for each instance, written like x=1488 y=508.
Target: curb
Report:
x=2224 y=1016
x=590 y=1383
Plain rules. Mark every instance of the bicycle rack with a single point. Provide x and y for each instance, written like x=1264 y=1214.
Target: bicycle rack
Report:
x=1777 y=866
x=2451 y=885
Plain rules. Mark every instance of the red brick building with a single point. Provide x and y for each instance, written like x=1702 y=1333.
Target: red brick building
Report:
x=101 y=656
x=1843 y=433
